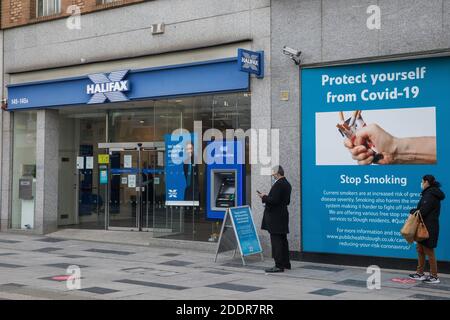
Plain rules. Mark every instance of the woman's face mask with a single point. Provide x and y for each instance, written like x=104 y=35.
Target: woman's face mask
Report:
x=422 y=185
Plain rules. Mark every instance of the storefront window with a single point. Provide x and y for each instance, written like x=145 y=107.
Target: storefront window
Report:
x=118 y=202
x=24 y=170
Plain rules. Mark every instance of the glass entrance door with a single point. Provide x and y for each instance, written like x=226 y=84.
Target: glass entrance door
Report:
x=124 y=203
x=157 y=217
x=135 y=188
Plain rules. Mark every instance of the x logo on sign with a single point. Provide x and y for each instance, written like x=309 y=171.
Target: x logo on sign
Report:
x=172 y=193
x=248 y=56
x=99 y=78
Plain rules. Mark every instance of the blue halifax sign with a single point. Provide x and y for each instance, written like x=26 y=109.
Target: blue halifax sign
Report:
x=203 y=77
x=108 y=87
x=251 y=62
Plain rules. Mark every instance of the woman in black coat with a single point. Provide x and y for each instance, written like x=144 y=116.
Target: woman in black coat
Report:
x=430 y=208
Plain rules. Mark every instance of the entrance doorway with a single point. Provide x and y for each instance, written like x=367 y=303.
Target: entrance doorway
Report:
x=132 y=181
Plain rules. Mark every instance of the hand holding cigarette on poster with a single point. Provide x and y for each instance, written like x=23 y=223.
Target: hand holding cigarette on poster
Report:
x=372 y=144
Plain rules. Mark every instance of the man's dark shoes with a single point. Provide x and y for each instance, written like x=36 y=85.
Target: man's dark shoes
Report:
x=274 y=270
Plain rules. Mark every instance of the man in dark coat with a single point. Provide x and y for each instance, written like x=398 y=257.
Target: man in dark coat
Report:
x=276 y=219
x=430 y=208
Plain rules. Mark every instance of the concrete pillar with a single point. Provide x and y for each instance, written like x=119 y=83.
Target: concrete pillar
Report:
x=6 y=169
x=47 y=145
x=261 y=121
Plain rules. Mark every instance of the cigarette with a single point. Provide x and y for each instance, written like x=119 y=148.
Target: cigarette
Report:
x=353 y=118
x=341 y=116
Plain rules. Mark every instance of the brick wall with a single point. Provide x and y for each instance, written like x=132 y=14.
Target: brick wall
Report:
x=21 y=12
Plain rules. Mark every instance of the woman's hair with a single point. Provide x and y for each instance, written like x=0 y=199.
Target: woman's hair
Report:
x=431 y=180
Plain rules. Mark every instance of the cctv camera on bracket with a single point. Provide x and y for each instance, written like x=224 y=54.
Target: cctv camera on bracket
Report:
x=294 y=54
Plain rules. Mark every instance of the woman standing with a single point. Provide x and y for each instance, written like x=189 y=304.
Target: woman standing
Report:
x=430 y=207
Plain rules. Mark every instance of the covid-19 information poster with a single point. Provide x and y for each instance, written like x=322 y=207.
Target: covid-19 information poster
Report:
x=369 y=133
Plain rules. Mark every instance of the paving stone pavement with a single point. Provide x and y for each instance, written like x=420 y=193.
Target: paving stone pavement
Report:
x=36 y=267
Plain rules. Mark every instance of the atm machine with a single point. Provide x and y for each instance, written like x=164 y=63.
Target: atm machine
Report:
x=224 y=188
x=27 y=189
x=225 y=177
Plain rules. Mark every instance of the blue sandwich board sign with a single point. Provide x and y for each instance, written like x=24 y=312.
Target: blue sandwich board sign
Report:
x=239 y=231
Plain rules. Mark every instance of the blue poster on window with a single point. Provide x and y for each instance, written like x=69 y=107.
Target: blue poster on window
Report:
x=182 y=171
x=244 y=227
x=370 y=132
x=103 y=176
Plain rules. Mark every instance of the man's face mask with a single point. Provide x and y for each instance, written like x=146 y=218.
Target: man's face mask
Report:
x=274 y=178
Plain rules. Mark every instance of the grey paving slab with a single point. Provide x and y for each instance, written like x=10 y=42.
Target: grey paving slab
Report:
x=236 y=265
x=99 y=290
x=353 y=283
x=176 y=263
x=47 y=249
x=234 y=287
x=152 y=284
x=140 y=270
x=439 y=287
x=11 y=285
x=51 y=240
x=222 y=273
x=428 y=297
x=321 y=268
x=9 y=241
x=152 y=271
x=327 y=292
x=64 y=265
x=117 y=252
x=170 y=255
x=8 y=265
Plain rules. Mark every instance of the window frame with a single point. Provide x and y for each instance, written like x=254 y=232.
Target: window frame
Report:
x=46 y=8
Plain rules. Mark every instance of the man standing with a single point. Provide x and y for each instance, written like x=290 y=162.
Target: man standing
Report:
x=276 y=219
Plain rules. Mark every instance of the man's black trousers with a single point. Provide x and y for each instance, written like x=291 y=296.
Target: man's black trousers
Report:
x=280 y=250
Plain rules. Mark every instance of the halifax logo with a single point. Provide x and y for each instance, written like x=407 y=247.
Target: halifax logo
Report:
x=251 y=62
x=108 y=87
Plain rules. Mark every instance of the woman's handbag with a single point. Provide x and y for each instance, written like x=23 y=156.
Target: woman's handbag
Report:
x=422 y=231
x=410 y=227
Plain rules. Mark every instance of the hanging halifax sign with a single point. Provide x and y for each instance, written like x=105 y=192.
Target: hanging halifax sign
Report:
x=251 y=62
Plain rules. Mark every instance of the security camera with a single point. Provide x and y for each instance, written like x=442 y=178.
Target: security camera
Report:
x=139 y=144
x=293 y=53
